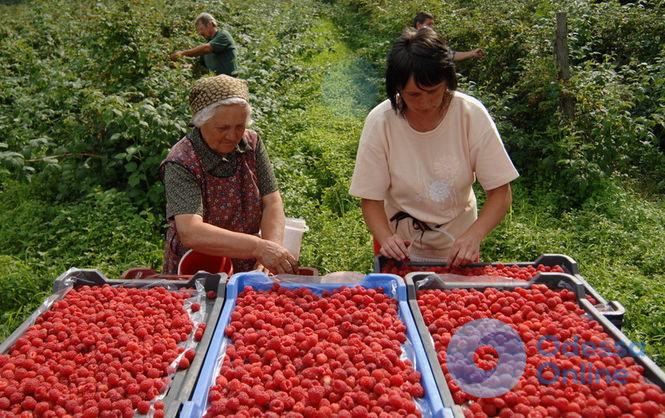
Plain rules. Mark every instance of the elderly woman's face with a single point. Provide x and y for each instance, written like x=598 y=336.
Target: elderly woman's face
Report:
x=225 y=129
x=207 y=31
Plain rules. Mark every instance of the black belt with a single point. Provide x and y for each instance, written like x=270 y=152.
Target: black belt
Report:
x=418 y=225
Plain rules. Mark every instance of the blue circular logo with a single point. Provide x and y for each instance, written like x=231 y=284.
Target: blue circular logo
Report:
x=510 y=364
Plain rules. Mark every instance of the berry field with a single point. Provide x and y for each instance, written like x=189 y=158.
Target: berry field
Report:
x=90 y=104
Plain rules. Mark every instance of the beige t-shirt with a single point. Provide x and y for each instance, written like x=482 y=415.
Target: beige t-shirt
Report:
x=429 y=174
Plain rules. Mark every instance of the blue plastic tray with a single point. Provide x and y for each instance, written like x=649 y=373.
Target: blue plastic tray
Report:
x=393 y=285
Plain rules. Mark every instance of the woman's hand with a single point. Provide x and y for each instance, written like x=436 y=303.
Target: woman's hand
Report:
x=478 y=53
x=465 y=249
x=392 y=245
x=261 y=268
x=395 y=247
x=275 y=258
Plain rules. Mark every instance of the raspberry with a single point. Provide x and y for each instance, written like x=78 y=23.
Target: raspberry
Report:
x=183 y=363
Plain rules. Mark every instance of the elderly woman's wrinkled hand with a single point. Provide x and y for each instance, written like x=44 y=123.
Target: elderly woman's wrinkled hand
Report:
x=261 y=268
x=275 y=258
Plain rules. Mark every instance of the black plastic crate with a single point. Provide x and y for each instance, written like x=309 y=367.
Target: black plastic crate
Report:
x=183 y=382
x=552 y=280
x=612 y=310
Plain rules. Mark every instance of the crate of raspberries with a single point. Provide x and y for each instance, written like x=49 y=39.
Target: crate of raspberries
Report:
x=110 y=348
x=530 y=349
x=492 y=272
x=310 y=349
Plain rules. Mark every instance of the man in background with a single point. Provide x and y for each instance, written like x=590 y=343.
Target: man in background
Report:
x=423 y=19
x=219 y=53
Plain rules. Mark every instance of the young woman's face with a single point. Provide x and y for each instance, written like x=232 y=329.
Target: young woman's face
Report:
x=224 y=131
x=423 y=100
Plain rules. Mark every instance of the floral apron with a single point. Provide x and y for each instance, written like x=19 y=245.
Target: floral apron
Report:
x=232 y=203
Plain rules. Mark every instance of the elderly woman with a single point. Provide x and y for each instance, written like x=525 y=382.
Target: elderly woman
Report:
x=220 y=187
x=420 y=152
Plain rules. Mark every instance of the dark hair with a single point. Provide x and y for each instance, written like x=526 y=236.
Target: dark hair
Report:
x=422 y=54
x=421 y=17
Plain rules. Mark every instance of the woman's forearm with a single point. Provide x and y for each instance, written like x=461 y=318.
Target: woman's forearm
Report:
x=209 y=239
x=466 y=247
x=392 y=245
x=496 y=206
x=375 y=217
x=272 y=219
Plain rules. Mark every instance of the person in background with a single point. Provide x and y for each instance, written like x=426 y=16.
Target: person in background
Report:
x=423 y=19
x=220 y=187
x=219 y=53
x=419 y=154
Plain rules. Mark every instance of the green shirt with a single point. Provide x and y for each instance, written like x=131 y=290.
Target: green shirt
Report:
x=222 y=60
x=183 y=194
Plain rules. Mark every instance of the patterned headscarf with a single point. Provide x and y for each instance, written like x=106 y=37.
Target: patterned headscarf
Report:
x=209 y=90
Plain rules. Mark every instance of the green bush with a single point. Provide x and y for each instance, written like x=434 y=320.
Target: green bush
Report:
x=20 y=285
x=22 y=291
x=104 y=230
x=617 y=67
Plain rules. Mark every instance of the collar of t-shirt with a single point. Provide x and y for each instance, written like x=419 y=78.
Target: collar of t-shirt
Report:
x=212 y=161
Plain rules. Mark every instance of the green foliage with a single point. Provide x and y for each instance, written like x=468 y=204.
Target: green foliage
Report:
x=88 y=98
x=90 y=104
x=19 y=285
x=22 y=291
x=104 y=230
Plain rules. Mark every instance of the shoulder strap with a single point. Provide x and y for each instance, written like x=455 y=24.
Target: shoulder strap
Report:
x=251 y=137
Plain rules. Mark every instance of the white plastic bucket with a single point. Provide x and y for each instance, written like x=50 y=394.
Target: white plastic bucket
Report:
x=294 y=228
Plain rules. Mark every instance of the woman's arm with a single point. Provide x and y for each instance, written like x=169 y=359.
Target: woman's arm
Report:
x=272 y=220
x=392 y=245
x=464 y=55
x=466 y=247
x=209 y=239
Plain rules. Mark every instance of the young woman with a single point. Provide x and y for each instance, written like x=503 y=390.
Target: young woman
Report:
x=420 y=153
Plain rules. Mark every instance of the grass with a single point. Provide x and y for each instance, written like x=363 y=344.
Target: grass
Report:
x=314 y=148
